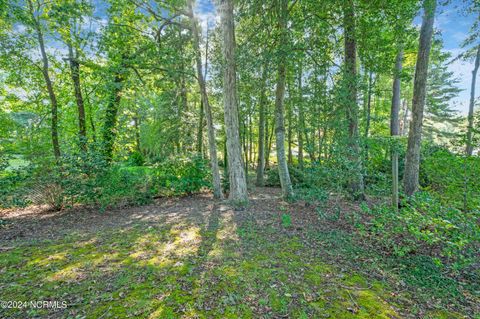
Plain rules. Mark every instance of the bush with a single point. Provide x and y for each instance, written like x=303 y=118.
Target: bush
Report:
x=181 y=176
x=272 y=178
x=88 y=179
x=136 y=159
x=451 y=178
x=424 y=226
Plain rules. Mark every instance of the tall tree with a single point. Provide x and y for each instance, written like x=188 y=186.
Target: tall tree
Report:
x=212 y=147
x=237 y=178
x=282 y=12
x=395 y=123
x=412 y=164
x=301 y=118
x=261 y=129
x=111 y=111
x=75 y=74
x=35 y=14
x=351 y=106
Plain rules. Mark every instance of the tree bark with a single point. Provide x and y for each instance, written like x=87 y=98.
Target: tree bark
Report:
x=469 y=149
x=395 y=124
x=75 y=74
x=268 y=139
x=285 y=181
x=412 y=164
x=261 y=130
x=368 y=111
x=238 y=182
x=200 y=128
x=301 y=120
x=289 y=135
x=212 y=147
x=356 y=176
x=48 y=82
x=405 y=117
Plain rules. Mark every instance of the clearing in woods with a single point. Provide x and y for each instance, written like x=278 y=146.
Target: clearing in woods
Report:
x=193 y=257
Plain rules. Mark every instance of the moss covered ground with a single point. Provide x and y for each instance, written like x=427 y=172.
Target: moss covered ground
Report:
x=196 y=258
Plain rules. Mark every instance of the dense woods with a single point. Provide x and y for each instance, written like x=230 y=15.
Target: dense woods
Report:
x=107 y=104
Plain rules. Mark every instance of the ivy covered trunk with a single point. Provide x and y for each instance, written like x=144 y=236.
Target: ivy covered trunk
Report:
x=351 y=107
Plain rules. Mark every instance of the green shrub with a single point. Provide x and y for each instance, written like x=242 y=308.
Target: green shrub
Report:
x=88 y=179
x=136 y=159
x=180 y=176
x=451 y=178
x=425 y=227
x=272 y=178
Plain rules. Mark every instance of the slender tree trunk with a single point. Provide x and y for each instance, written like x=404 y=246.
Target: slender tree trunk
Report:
x=368 y=110
x=212 y=146
x=238 y=182
x=75 y=74
x=92 y=125
x=289 y=135
x=412 y=164
x=356 y=175
x=48 y=82
x=250 y=139
x=200 y=128
x=136 y=123
x=301 y=121
x=269 y=140
x=261 y=129
x=279 y=102
x=395 y=124
x=405 y=117
x=469 y=149
x=244 y=138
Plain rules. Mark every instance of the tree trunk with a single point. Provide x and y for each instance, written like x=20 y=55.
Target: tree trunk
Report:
x=261 y=129
x=469 y=149
x=289 y=135
x=356 y=175
x=75 y=74
x=111 y=112
x=412 y=164
x=405 y=117
x=279 y=101
x=301 y=121
x=250 y=138
x=200 y=129
x=238 y=182
x=48 y=82
x=136 y=123
x=395 y=124
x=216 y=181
x=269 y=140
x=368 y=110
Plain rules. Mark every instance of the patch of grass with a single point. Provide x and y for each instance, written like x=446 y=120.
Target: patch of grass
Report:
x=224 y=268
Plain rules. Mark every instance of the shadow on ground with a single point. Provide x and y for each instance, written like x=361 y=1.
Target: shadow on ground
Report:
x=189 y=258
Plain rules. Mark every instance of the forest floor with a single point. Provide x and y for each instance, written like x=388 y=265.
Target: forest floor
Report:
x=193 y=257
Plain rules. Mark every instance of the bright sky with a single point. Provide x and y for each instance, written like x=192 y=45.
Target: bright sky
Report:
x=454 y=27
